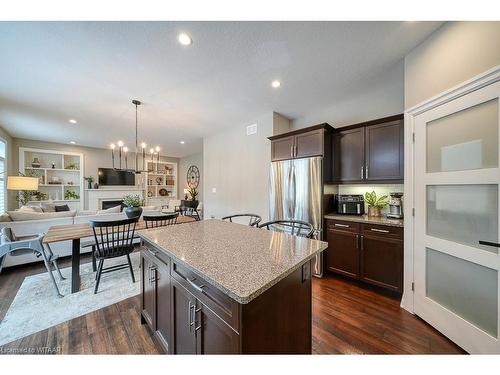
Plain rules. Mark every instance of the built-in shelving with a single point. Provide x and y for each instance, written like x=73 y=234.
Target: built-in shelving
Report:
x=160 y=185
x=64 y=167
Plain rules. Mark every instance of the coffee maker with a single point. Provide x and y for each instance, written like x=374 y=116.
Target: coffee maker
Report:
x=396 y=206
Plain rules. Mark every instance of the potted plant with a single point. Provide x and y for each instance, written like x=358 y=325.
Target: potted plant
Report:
x=133 y=203
x=89 y=180
x=375 y=204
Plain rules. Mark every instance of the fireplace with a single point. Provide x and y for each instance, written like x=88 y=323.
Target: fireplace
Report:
x=112 y=203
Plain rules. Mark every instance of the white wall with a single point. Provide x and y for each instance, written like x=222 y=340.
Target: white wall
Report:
x=382 y=97
x=453 y=54
x=237 y=166
x=184 y=164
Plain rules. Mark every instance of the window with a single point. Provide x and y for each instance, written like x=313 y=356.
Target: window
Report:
x=3 y=173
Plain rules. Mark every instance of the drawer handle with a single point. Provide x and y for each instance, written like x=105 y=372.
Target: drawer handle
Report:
x=379 y=230
x=199 y=288
x=341 y=225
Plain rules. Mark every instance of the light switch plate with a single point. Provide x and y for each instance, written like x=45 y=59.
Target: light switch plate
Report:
x=214 y=190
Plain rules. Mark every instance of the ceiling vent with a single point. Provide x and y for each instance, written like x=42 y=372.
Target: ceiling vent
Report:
x=251 y=129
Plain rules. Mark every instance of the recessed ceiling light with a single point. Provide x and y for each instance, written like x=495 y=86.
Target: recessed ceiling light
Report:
x=276 y=84
x=72 y=121
x=182 y=142
x=72 y=142
x=184 y=39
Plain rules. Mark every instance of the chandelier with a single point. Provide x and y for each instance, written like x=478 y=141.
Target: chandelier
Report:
x=141 y=158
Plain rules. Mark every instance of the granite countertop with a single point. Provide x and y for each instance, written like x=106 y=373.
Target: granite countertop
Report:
x=382 y=220
x=241 y=261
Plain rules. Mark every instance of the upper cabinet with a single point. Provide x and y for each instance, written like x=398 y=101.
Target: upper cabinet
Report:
x=302 y=143
x=369 y=152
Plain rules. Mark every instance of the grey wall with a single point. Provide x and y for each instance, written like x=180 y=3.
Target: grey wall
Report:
x=384 y=97
x=184 y=164
x=451 y=55
x=237 y=166
x=94 y=158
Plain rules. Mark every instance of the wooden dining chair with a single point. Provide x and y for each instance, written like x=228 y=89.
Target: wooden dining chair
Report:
x=155 y=221
x=113 y=239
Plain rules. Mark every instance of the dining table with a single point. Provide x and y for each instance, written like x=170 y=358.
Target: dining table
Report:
x=75 y=232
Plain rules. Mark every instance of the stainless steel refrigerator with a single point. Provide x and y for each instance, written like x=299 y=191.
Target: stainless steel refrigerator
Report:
x=296 y=192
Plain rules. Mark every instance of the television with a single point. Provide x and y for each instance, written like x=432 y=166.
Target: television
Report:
x=112 y=177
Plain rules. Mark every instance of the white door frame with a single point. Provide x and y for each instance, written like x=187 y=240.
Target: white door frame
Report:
x=490 y=76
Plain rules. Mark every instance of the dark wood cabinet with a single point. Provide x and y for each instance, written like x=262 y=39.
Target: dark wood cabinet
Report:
x=148 y=293
x=161 y=279
x=345 y=258
x=349 y=156
x=367 y=252
x=183 y=311
x=384 y=151
x=282 y=148
x=213 y=335
x=369 y=152
x=188 y=315
x=309 y=144
x=155 y=296
x=303 y=143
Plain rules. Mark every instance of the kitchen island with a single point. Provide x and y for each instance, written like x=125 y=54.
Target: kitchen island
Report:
x=213 y=287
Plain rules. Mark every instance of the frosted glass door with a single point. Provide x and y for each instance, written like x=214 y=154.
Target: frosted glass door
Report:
x=457 y=179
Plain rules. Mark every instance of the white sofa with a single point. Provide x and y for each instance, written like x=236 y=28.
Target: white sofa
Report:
x=30 y=227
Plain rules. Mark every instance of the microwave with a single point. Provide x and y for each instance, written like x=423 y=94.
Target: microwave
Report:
x=350 y=205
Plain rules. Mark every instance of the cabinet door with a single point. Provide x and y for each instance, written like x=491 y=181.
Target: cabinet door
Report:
x=148 y=307
x=213 y=335
x=183 y=310
x=385 y=151
x=161 y=277
x=382 y=262
x=282 y=148
x=309 y=144
x=349 y=155
x=342 y=255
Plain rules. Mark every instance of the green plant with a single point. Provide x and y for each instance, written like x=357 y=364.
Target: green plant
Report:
x=72 y=166
x=39 y=196
x=193 y=193
x=133 y=200
x=89 y=179
x=373 y=201
x=70 y=194
x=24 y=197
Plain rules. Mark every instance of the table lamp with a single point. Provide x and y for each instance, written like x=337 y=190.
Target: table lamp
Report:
x=22 y=183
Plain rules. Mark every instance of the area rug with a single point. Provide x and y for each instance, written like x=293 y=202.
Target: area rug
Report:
x=36 y=306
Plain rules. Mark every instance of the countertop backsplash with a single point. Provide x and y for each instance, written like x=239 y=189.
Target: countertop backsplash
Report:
x=380 y=189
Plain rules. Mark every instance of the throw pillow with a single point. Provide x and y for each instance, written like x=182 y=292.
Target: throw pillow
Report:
x=5 y=217
x=62 y=208
x=112 y=210
x=30 y=209
x=48 y=207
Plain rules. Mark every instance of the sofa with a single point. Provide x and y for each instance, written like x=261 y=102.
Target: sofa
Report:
x=40 y=222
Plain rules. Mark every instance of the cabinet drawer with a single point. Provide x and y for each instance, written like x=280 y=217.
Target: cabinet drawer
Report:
x=226 y=308
x=382 y=231
x=347 y=226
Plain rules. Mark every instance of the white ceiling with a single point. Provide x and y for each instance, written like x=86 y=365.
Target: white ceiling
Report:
x=53 y=71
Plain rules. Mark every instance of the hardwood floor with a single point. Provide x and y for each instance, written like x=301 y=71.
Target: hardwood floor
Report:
x=347 y=318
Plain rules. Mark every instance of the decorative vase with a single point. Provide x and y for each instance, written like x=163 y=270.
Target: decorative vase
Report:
x=132 y=212
x=374 y=211
x=36 y=163
x=89 y=184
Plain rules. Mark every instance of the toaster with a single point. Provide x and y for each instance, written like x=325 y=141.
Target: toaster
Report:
x=350 y=205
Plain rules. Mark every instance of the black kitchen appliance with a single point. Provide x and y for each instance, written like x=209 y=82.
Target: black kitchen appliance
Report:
x=350 y=205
